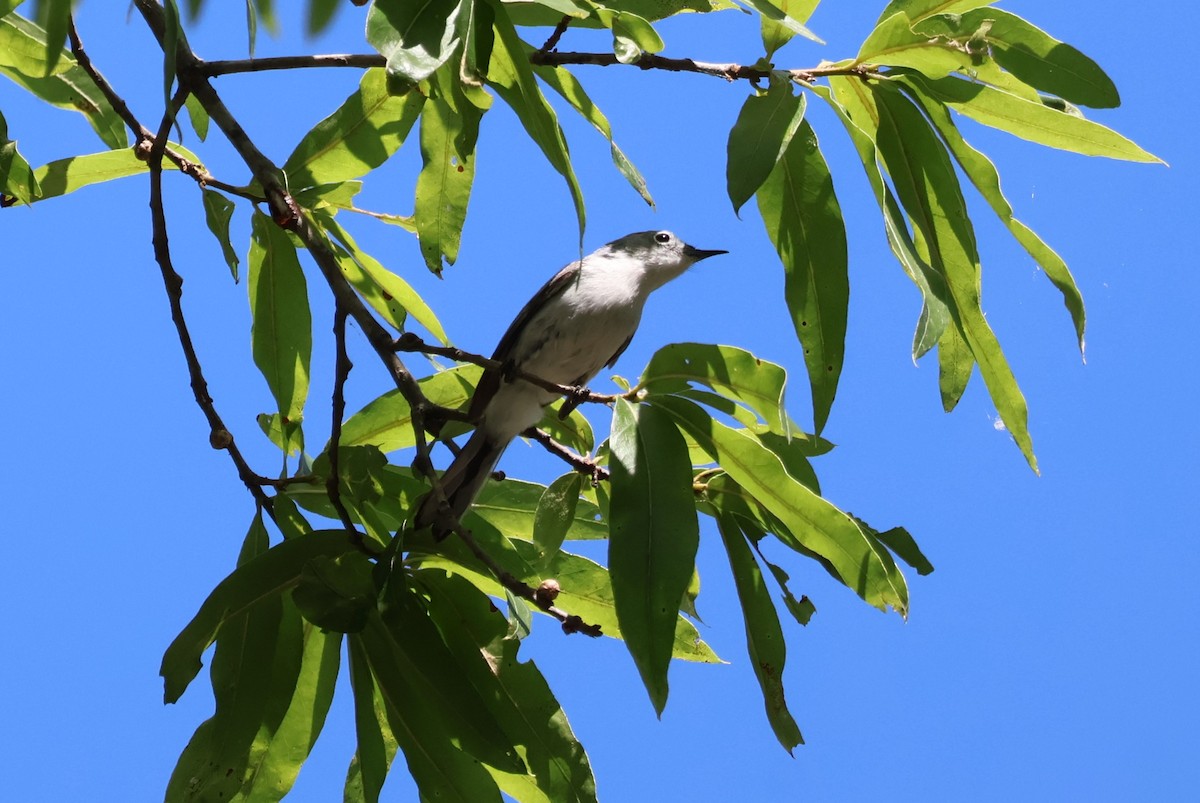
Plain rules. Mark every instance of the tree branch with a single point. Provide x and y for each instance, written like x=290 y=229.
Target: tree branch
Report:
x=213 y=69
x=730 y=71
x=559 y=30
x=219 y=436
x=584 y=465
x=341 y=370
x=542 y=597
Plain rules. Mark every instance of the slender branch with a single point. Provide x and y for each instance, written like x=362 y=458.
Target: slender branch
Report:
x=341 y=370
x=582 y=464
x=729 y=71
x=219 y=435
x=559 y=30
x=410 y=342
x=213 y=69
x=289 y=215
x=542 y=597
x=142 y=134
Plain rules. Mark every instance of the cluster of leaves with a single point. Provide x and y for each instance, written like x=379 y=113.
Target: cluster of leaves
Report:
x=434 y=665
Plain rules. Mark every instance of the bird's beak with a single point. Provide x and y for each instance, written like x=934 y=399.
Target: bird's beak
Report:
x=697 y=254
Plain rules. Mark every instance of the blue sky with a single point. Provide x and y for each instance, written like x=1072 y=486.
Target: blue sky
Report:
x=1052 y=655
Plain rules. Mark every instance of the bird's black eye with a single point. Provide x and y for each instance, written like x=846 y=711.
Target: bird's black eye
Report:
x=663 y=237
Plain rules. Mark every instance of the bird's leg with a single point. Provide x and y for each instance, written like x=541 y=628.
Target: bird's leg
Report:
x=577 y=396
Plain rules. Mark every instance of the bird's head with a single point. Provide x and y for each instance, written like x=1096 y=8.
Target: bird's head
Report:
x=661 y=255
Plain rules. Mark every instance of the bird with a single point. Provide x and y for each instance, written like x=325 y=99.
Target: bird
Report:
x=580 y=321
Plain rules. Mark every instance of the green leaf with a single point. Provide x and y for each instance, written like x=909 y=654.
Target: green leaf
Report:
x=855 y=107
x=386 y=422
x=586 y=589
x=336 y=593
x=444 y=184
x=896 y=44
x=1032 y=121
x=632 y=34
x=759 y=139
x=361 y=135
x=64 y=176
x=415 y=38
x=564 y=82
x=1031 y=55
x=198 y=115
x=389 y=294
x=802 y=609
x=804 y=221
x=281 y=334
x=728 y=370
x=515 y=692
x=789 y=15
x=320 y=14
x=555 y=513
x=16 y=176
x=653 y=536
x=955 y=364
x=764 y=636
x=218 y=211
x=376 y=744
x=928 y=187
x=23 y=59
x=263 y=577
x=54 y=16
x=917 y=10
x=776 y=34
x=982 y=173
x=899 y=541
x=278 y=754
x=514 y=507
x=857 y=559
x=511 y=75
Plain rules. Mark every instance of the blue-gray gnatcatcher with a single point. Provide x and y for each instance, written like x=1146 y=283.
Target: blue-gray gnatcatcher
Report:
x=580 y=321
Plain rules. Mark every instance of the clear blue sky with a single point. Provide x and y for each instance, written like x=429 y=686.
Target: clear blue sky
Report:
x=1051 y=656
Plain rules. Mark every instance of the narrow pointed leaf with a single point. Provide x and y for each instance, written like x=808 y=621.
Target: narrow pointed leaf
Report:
x=361 y=135
x=555 y=513
x=514 y=691
x=16 y=176
x=776 y=34
x=730 y=371
x=859 y=561
x=982 y=173
x=444 y=183
x=928 y=187
x=218 y=211
x=415 y=38
x=281 y=334
x=64 y=176
x=764 y=636
x=386 y=422
x=653 y=536
x=804 y=221
x=917 y=10
x=759 y=139
x=263 y=577
x=1031 y=55
x=564 y=82
x=441 y=770
x=376 y=744
x=511 y=75
x=1032 y=121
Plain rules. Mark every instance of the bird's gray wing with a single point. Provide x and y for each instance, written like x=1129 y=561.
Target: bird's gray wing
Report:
x=489 y=383
x=620 y=351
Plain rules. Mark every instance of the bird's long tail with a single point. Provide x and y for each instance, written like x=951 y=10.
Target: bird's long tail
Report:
x=463 y=480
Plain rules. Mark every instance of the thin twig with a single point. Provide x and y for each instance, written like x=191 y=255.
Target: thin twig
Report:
x=289 y=215
x=220 y=436
x=559 y=30
x=142 y=134
x=411 y=342
x=584 y=465
x=341 y=370
x=213 y=69
x=728 y=71
x=539 y=597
